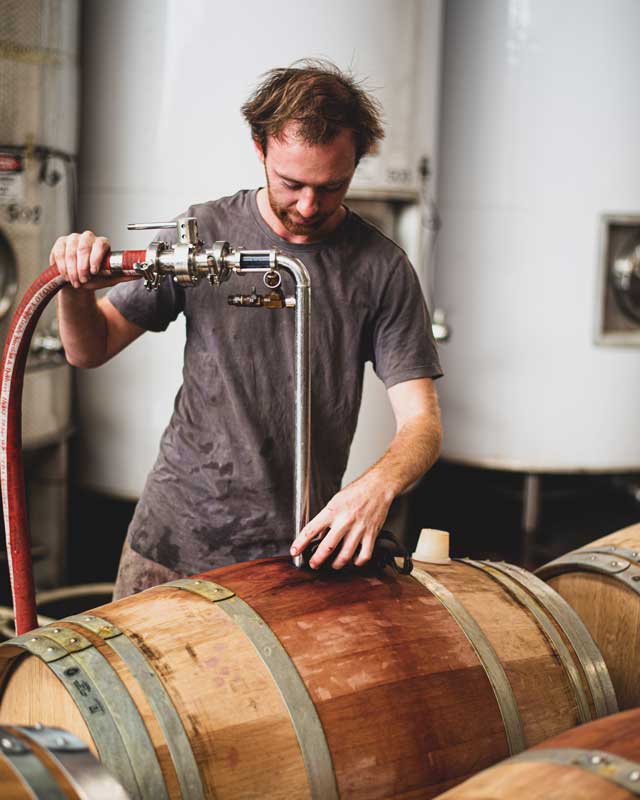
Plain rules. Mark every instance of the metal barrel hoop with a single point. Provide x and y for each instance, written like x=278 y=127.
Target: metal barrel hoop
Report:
x=302 y=712
x=165 y=712
x=619 y=563
x=89 y=779
x=35 y=775
x=588 y=654
x=87 y=696
x=610 y=767
x=487 y=656
x=135 y=737
x=548 y=629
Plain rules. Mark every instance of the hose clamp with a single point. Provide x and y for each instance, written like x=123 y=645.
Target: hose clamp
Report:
x=115 y=262
x=183 y=274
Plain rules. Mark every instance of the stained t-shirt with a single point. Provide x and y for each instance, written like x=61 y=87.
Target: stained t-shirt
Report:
x=221 y=489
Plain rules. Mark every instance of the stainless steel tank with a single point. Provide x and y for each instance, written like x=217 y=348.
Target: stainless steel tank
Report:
x=538 y=145
x=38 y=143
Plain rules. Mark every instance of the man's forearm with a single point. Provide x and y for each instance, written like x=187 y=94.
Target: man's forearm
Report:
x=83 y=327
x=412 y=452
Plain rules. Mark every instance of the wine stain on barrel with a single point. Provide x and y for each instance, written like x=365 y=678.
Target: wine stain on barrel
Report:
x=152 y=655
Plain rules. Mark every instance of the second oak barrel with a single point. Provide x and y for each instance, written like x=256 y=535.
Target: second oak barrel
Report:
x=601 y=581
x=597 y=761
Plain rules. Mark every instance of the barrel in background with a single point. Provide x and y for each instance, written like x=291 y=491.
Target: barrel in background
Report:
x=597 y=761
x=601 y=581
x=51 y=764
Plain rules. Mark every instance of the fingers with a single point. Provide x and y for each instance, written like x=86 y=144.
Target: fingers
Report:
x=330 y=542
x=98 y=252
x=312 y=529
x=366 y=550
x=83 y=250
x=57 y=256
x=351 y=538
x=71 y=259
x=79 y=256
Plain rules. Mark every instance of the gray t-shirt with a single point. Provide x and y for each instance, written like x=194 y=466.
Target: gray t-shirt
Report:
x=221 y=489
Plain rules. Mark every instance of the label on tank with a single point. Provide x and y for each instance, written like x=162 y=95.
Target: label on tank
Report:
x=11 y=178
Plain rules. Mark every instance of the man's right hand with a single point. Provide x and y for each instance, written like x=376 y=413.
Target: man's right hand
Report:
x=92 y=330
x=79 y=257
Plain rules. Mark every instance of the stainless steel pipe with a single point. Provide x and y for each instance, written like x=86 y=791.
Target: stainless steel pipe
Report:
x=302 y=379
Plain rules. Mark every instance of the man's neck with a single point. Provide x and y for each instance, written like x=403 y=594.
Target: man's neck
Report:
x=267 y=214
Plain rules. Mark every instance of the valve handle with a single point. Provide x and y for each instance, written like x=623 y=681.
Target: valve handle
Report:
x=151 y=226
x=187 y=228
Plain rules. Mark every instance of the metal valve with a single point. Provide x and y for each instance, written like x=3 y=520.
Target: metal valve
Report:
x=188 y=260
x=274 y=299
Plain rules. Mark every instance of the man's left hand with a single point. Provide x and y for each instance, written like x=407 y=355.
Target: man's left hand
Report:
x=354 y=517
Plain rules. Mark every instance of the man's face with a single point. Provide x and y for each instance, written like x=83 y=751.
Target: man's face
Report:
x=307 y=183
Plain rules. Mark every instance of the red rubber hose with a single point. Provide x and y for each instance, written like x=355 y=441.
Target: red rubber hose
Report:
x=14 y=504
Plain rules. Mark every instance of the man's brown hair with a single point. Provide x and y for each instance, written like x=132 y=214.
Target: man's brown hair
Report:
x=320 y=99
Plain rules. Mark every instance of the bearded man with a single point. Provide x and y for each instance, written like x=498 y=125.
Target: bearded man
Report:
x=221 y=488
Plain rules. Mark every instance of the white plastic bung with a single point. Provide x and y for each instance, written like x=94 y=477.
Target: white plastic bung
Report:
x=433 y=547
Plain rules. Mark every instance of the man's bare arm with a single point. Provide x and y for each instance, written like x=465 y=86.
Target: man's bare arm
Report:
x=92 y=331
x=356 y=514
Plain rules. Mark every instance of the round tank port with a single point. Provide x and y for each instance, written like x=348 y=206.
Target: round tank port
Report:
x=8 y=276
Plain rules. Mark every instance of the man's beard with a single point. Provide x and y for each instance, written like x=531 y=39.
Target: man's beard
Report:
x=284 y=215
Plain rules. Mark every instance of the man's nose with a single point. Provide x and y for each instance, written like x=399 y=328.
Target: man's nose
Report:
x=307 y=205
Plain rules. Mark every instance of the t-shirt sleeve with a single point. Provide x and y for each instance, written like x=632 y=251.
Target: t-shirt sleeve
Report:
x=152 y=310
x=403 y=345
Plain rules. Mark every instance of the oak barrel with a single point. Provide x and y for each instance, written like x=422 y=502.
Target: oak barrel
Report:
x=601 y=581
x=597 y=761
x=51 y=764
x=261 y=680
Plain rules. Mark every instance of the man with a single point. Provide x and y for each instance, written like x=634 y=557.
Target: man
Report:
x=220 y=490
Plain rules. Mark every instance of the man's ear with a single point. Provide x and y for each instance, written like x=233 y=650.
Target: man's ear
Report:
x=258 y=148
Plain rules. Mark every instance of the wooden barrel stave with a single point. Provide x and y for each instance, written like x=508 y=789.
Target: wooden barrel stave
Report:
x=362 y=656
x=406 y=706
x=228 y=702
x=12 y=785
x=525 y=652
x=536 y=781
x=441 y=704
x=608 y=602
